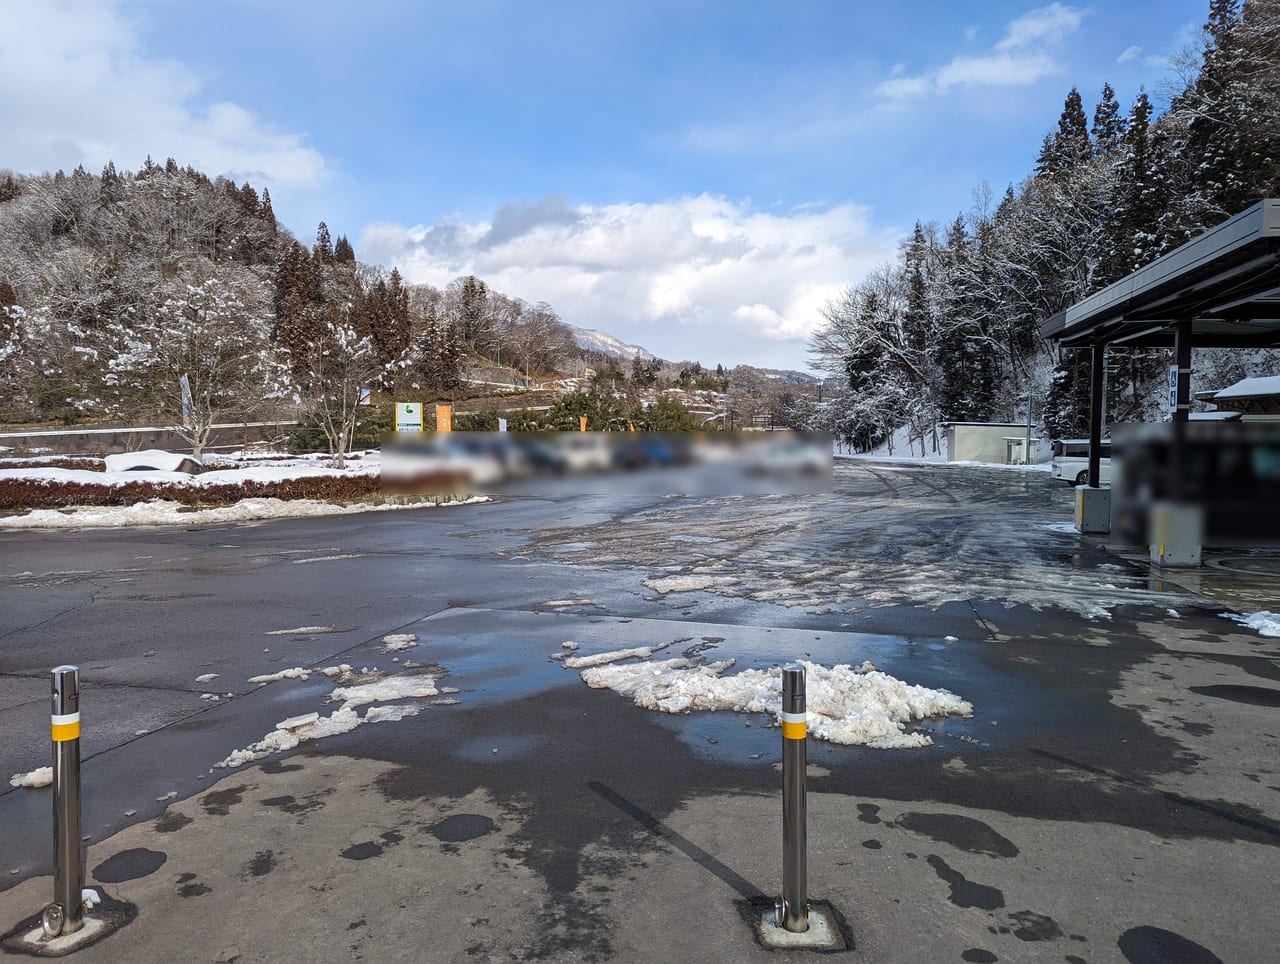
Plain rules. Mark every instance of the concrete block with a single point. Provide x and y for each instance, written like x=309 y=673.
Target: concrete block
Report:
x=1093 y=510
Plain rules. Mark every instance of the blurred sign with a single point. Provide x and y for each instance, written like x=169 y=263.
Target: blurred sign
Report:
x=186 y=399
x=1173 y=388
x=444 y=418
x=408 y=417
x=502 y=424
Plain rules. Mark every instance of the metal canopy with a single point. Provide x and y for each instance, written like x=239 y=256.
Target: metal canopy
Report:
x=1226 y=283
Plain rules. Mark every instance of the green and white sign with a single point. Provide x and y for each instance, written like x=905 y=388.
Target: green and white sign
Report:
x=408 y=417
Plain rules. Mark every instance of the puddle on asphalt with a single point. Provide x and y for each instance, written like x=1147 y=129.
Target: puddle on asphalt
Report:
x=500 y=749
x=503 y=655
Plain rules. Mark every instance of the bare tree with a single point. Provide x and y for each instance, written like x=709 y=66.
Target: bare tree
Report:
x=197 y=357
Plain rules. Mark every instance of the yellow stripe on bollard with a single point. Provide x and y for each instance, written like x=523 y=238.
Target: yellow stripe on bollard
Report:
x=795 y=726
x=66 y=728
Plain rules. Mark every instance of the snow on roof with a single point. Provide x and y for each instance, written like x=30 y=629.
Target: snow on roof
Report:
x=1251 y=388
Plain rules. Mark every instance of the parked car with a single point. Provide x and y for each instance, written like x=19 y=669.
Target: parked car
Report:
x=1071 y=461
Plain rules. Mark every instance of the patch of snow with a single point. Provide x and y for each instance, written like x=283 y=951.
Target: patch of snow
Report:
x=206 y=677
x=302 y=631
x=90 y=898
x=296 y=672
x=39 y=777
x=1264 y=623
x=846 y=705
x=171 y=795
x=569 y=645
x=1066 y=527
x=666 y=584
x=600 y=659
x=296 y=722
x=392 y=688
x=163 y=512
x=341 y=555
x=340 y=670
x=399 y=642
x=1173 y=613
x=560 y=603
x=312 y=726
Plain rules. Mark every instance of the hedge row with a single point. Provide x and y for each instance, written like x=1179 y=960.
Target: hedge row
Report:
x=25 y=494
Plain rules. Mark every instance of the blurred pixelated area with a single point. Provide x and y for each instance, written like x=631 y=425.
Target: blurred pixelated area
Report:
x=696 y=463
x=1228 y=472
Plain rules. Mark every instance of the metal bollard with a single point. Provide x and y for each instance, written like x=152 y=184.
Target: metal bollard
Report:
x=64 y=915
x=794 y=910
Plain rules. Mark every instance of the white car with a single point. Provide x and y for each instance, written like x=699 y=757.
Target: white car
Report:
x=1071 y=461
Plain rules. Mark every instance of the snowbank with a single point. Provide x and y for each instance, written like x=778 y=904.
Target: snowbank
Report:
x=853 y=706
x=174 y=513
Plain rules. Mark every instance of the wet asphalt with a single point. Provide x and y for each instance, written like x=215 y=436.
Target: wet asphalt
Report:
x=1114 y=797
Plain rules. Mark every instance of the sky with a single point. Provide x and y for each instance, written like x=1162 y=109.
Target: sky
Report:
x=698 y=177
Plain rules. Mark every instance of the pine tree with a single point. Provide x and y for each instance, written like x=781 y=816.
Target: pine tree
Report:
x=8 y=189
x=343 y=253
x=1069 y=146
x=266 y=213
x=323 y=250
x=1108 y=126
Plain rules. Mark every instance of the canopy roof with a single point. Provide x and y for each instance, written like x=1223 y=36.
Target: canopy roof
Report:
x=1226 y=282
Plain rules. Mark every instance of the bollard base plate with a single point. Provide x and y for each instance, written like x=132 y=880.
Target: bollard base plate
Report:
x=826 y=931
x=107 y=918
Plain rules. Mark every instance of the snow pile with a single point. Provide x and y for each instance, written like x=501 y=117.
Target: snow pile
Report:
x=40 y=777
x=90 y=898
x=1264 y=623
x=312 y=726
x=302 y=631
x=399 y=642
x=599 y=659
x=854 y=706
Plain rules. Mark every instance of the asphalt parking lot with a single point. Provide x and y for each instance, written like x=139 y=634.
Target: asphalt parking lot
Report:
x=1114 y=796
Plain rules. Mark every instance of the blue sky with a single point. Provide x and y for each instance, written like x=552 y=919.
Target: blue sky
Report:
x=696 y=176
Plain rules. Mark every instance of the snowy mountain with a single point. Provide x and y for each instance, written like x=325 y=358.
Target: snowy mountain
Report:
x=589 y=339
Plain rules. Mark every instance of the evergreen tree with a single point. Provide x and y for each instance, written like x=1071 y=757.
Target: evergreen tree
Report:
x=1108 y=125
x=267 y=214
x=343 y=253
x=323 y=250
x=1069 y=146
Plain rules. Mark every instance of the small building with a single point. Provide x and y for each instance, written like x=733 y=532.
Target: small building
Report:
x=982 y=441
x=1249 y=397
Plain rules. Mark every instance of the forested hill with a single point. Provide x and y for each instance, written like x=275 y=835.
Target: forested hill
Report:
x=115 y=285
x=951 y=329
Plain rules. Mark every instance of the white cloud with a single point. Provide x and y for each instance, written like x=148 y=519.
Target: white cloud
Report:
x=1128 y=54
x=1049 y=24
x=698 y=277
x=77 y=87
x=1022 y=56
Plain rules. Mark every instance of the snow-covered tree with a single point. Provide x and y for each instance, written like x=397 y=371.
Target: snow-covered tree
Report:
x=197 y=357
x=334 y=367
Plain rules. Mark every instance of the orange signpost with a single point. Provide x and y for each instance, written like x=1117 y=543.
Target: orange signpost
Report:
x=444 y=418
